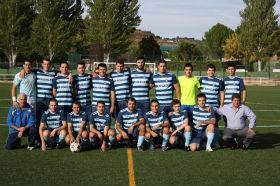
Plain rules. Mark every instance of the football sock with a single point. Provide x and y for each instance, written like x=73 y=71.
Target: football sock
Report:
x=188 y=136
x=92 y=141
x=152 y=141
x=140 y=141
x=216 y=137
x=165 y=138
x=83 y=141
x=111 y=140
x=125 y=142
x=210 y=137
x=60 y=138
x=236 y=140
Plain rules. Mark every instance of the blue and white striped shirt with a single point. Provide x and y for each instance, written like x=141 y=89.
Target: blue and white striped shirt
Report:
x=200 y=114
x=177 y=120
x=76 y=120
x=45 y=83
x=83 y=84
x=100 y=121
x=53 y=120
x=164 y=87
x=153 y=120
x=140 y=84
x=127 y=118
x=121 y=84
x=101 y=90
x=233 y=86
x=64 y=90
x=211 y=87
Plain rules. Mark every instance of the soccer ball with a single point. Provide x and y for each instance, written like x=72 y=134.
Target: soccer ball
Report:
x=75 y=147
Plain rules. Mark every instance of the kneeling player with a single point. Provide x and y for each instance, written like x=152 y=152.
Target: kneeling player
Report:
x=204 y=124
x=157 y=125
x=56 y=124
x=130 y=124
x=76 y=121
x=180 y=125
x=99 y=124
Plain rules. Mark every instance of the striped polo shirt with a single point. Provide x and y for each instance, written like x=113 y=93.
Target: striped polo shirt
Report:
x=53 y=120
x=164 y=87
x=44 y=82
x=127 y=118
x=178 y=119
x=140 y=84
x=200 y=114
x=233 y=86
x=211 y=87
x=64 y=90
x=153 y=120
x=101 y=90
x=76 y=120
x=121 y=84
x=99 y=121
x=83 y=84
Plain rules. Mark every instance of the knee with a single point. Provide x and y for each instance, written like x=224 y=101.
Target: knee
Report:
x=111 y=132
x=172 y=140
x=67 y=139
x=165 y=130
x=91 y=135
x=63 y=132
x=194 y=147
x=147 y=136
x=227 y=138
x=188 y=128
x=46 y=133
x=119 y=137
x=211 y=128
x=85 y=134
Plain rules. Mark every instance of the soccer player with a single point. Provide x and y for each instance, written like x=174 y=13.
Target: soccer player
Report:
x=213 y=88
x=180 y=125
x=63 y=89
x=122 y=80
x=204 y=125
x=157 y=125
x=130 y=124
x=141 y=84
x=82 y=87
x=56 y=124
x=103 y=90
x=99 y=124
x=76 y=122
x=164 y=83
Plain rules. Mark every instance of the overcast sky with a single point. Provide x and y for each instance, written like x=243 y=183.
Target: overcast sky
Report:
x=189 y=18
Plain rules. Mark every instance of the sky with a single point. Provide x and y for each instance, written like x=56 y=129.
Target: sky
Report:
x=189 y=18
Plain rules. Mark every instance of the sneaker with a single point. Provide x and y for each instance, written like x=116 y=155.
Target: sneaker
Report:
x=140 y=148
x=244 y=147
x=58 y=146
x=109 y=146
x=186 y=149
x=30 y=147
x=209 y=149
x=163 y=148
x=152 y=147
x=158 y=145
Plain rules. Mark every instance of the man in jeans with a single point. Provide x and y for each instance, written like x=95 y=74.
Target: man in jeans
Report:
x=236 y=115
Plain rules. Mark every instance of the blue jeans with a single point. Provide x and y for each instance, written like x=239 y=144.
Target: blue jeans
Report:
x=13 y=138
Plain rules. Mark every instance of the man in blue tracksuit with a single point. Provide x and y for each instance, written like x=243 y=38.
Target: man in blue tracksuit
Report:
x=21 y=123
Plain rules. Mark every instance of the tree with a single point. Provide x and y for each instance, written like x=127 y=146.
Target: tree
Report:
x=56 y=26
x=232 y=47
x=149 y=48
x=214 y=39
x=259 y=28
x=111 y=23
x=16 y=17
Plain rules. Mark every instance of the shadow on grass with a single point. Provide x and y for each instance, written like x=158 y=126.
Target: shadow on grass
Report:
x=266 y=141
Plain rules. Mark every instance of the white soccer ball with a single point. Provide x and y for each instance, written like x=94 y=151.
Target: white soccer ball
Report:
x=75 y=147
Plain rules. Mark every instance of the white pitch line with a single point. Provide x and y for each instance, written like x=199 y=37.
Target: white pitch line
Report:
x=267 y=110
x=262 y=104
x=4 y=107
x=5 y=99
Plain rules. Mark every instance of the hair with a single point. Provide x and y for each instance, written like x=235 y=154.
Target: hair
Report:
x=27 y=60
x=140 y=58
x=64 y=62
x=100 y=102
x=76 y=103
x=188 y=65
x=46 y=59
x=154 y=101
x=22 y=94
x=53 y=100
x=120 y=61
x=175 y=102
x=231 y=65
x=162 y=61
x=81 y=63
x=235 y=96
x=131 y=99
x=211 y=66
x=102 y=65
x=201 y=95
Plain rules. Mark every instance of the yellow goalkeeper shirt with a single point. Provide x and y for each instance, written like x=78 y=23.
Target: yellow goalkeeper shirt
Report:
x=188 y=86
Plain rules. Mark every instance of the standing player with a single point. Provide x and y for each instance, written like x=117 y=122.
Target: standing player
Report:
x=130 y=124
x=99 y=123
x=141 y=84
x=76 y=122
x=157 y=125
x=213 y=89
x=56 y=124
x=180 y=124
x=103 y=90
x=204 y=124
x=164 y=83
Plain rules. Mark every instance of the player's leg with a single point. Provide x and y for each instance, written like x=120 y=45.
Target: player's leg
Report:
x=165 y=138
x=92 y=139
x=149 y=139
x=31 y=133
x=196 y=140
x=61 y=137
x=173 y=140
x=50 y=141
x=217 y=131
x=84 y=139
x=210 y=136
x=188 y=136
x=12 y=141
x=67 y=139
x=111 y=134
x=141 y=137
x=228 y=138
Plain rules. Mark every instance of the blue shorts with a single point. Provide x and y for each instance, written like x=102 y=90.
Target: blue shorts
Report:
x=86 y=109
x=198 y=136
x=165 y=108
x=118 y=107
x=144 y=106
x=133 y=136
x=186 y=107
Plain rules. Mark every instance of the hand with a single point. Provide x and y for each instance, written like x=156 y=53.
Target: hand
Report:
x=209 y=109
x=15 y=104
x=112 y=110
x=170 y=130
x=95 y=75
x=77 y=139
x=130 y=129
x=252 y=131
x=169 y=114
x=221 y=105
x=154 y=134
x=21 y=129
x=155 y=127
x=198 y=124
x=43 y=146
x=174 y=133
x=99 y=134
x=20 y=134
x=53 y=133
x=243 y=102
x=21 y=74
x=70 y=77
x=103 y=147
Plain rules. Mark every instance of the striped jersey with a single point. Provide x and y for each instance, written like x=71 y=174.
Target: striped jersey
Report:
x=233 y=86
x=127 y=118
x=164 y=87
x=200 y=114
x=211 y=87
x=153 y=120
x=53 y=120
x=44 y=82
x=64 y=90
x=140 y=84
x=83 y=85
x=99 y=121
x=178 y=120
x=121 y=82
x=76 y=120
x=101 y=90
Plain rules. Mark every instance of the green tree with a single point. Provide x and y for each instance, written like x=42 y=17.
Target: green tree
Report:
x=214 y=39
x=111 y=23
x=16 y=17
x=232 y=47
x=149 y=48
x=186 y=50
x=259 y=28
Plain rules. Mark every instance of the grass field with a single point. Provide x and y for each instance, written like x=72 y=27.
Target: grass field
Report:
x=260 y=165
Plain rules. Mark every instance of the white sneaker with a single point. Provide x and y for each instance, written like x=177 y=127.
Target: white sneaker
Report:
x=209 y=149
x=30 y=148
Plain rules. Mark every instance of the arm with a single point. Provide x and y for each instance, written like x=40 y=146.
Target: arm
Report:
x=222 y=95
x=54 y=92
x=43 y=144
x=92 y=129
x=208 y=122
x=220 y=111
x=186 y=123
x=164 y=124
x=70 y=132
x=244 y=95
x=83 y=123
x=118 y=127
x=75 y=93
x=113 y=100
x=177 y=90
x=64 y=126
x=140 y=122
x=251 y=116
x=14 y=98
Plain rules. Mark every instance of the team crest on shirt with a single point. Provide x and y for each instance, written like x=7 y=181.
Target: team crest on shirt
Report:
x=134 y=116
x=182 y=118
